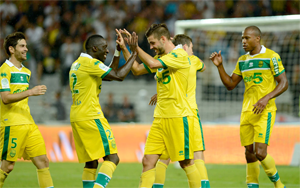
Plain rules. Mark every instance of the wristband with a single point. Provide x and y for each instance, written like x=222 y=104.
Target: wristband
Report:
x=117 y=53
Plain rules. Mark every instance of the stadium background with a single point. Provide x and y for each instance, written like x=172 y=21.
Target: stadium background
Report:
x=56 y=31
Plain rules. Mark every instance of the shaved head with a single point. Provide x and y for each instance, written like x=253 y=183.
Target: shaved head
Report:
x=256 y=31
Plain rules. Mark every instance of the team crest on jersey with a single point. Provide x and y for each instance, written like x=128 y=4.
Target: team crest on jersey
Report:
x=5 y=83
x=260 y=64
x=12 y=153
x=113 y=144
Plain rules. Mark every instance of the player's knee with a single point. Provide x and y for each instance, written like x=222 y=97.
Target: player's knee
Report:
x=185 y=163
x=113 y=158
x=10 y=167
x=148 y=163
x=261 y=155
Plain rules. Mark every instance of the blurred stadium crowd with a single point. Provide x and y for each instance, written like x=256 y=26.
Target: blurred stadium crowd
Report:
x=56 y=30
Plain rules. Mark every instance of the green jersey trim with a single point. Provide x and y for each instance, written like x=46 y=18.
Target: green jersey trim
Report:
x=201 y=68
x=147 y=68
x=5 y=144
x=279 y=73
x=106 y=73
x=1 y=90
x=186 y=138
x=268 y=128
x=201 y=129
x=163 y=64
x=103 y=136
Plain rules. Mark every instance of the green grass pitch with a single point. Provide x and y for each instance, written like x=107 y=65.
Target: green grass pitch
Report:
x=128 y=174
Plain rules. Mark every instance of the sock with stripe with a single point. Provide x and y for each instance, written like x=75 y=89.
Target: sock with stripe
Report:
x=105 y=173
x=88 y=177
x=200 y=165
x=147 y=179
x=269 y=166
x=3 y=176
x=44 y=178
x=193 y=176
x=252 y=174
x=160 y=175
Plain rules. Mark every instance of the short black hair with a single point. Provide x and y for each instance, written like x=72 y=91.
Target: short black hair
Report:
x=12 y=40
x=182 y=39
x=256 y=30
x=158 y=30
x=91 y=41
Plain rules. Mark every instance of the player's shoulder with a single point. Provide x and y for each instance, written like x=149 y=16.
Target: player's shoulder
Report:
x=26 y=70
x=270 y=52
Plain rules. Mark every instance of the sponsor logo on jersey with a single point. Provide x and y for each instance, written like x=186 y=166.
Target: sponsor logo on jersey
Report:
x=276 y=67
x=251 y=64
x=3 y=74
x=260 y=135
x=180 y=152
x=103 y=67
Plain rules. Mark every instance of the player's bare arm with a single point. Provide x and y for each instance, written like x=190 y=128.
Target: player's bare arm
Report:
x=281 y=87
x=230 y=82
x=8 y=98
x=137 y=68
x=115 y=62
x=122 y=72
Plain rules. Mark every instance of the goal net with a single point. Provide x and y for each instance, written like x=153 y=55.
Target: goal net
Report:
x=280 y=33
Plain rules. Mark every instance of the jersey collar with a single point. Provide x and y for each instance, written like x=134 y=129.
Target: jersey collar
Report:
x=12 y=65
x=262 y=50
x=86 y=55
x=178 y=46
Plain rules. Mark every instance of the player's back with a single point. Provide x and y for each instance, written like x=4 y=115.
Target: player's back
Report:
x=258 y=73
x=196 y=65
x=15 y=80
x=85 y=82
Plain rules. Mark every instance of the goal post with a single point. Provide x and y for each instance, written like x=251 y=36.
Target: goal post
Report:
x=279 y=33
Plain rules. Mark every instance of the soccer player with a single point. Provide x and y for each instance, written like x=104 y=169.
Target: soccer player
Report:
x=92 y=134
x=259 y=68
x=199 y=146
x=172 y=128
x=20 y=136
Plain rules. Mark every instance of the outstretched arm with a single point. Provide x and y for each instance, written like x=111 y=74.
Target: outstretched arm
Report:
x=230 y=82
x=122 y=72
x=8 y=98
x=281 y=87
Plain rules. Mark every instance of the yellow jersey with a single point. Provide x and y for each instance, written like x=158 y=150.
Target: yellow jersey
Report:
x=172 y=85
x=14 y=80
x=86 y=76
x=258 y=72
x=196 y=65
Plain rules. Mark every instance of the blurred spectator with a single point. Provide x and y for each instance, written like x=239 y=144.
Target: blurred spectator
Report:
x=110 y=109
x=60 y=111
x=126 y=112
x=34 y=36
x=8 y=10
x=47 y=65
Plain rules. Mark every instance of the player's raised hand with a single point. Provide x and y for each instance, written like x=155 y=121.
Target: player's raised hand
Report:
x=120 y=41
x=124 y=31
x=260 y=105
x=153 y=100
x=133 y=42
x=216 y=58
x=38 y=90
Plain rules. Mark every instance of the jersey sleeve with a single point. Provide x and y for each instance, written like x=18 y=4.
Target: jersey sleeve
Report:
x=237 y=69
x=5 y=76
x=174 y=60
x=199 y=64
x=97 y=68
x=149 y=69
x=276 y=65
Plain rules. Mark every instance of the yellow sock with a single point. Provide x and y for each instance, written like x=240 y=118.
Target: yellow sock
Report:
x=160 y=175
x=252 y=174
x=193 y=176
x=147 y=179
x=269 y=166
x=88 y=177
x=200 y=165
x=3 y=176
x=44 y=178
x=105 y=173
